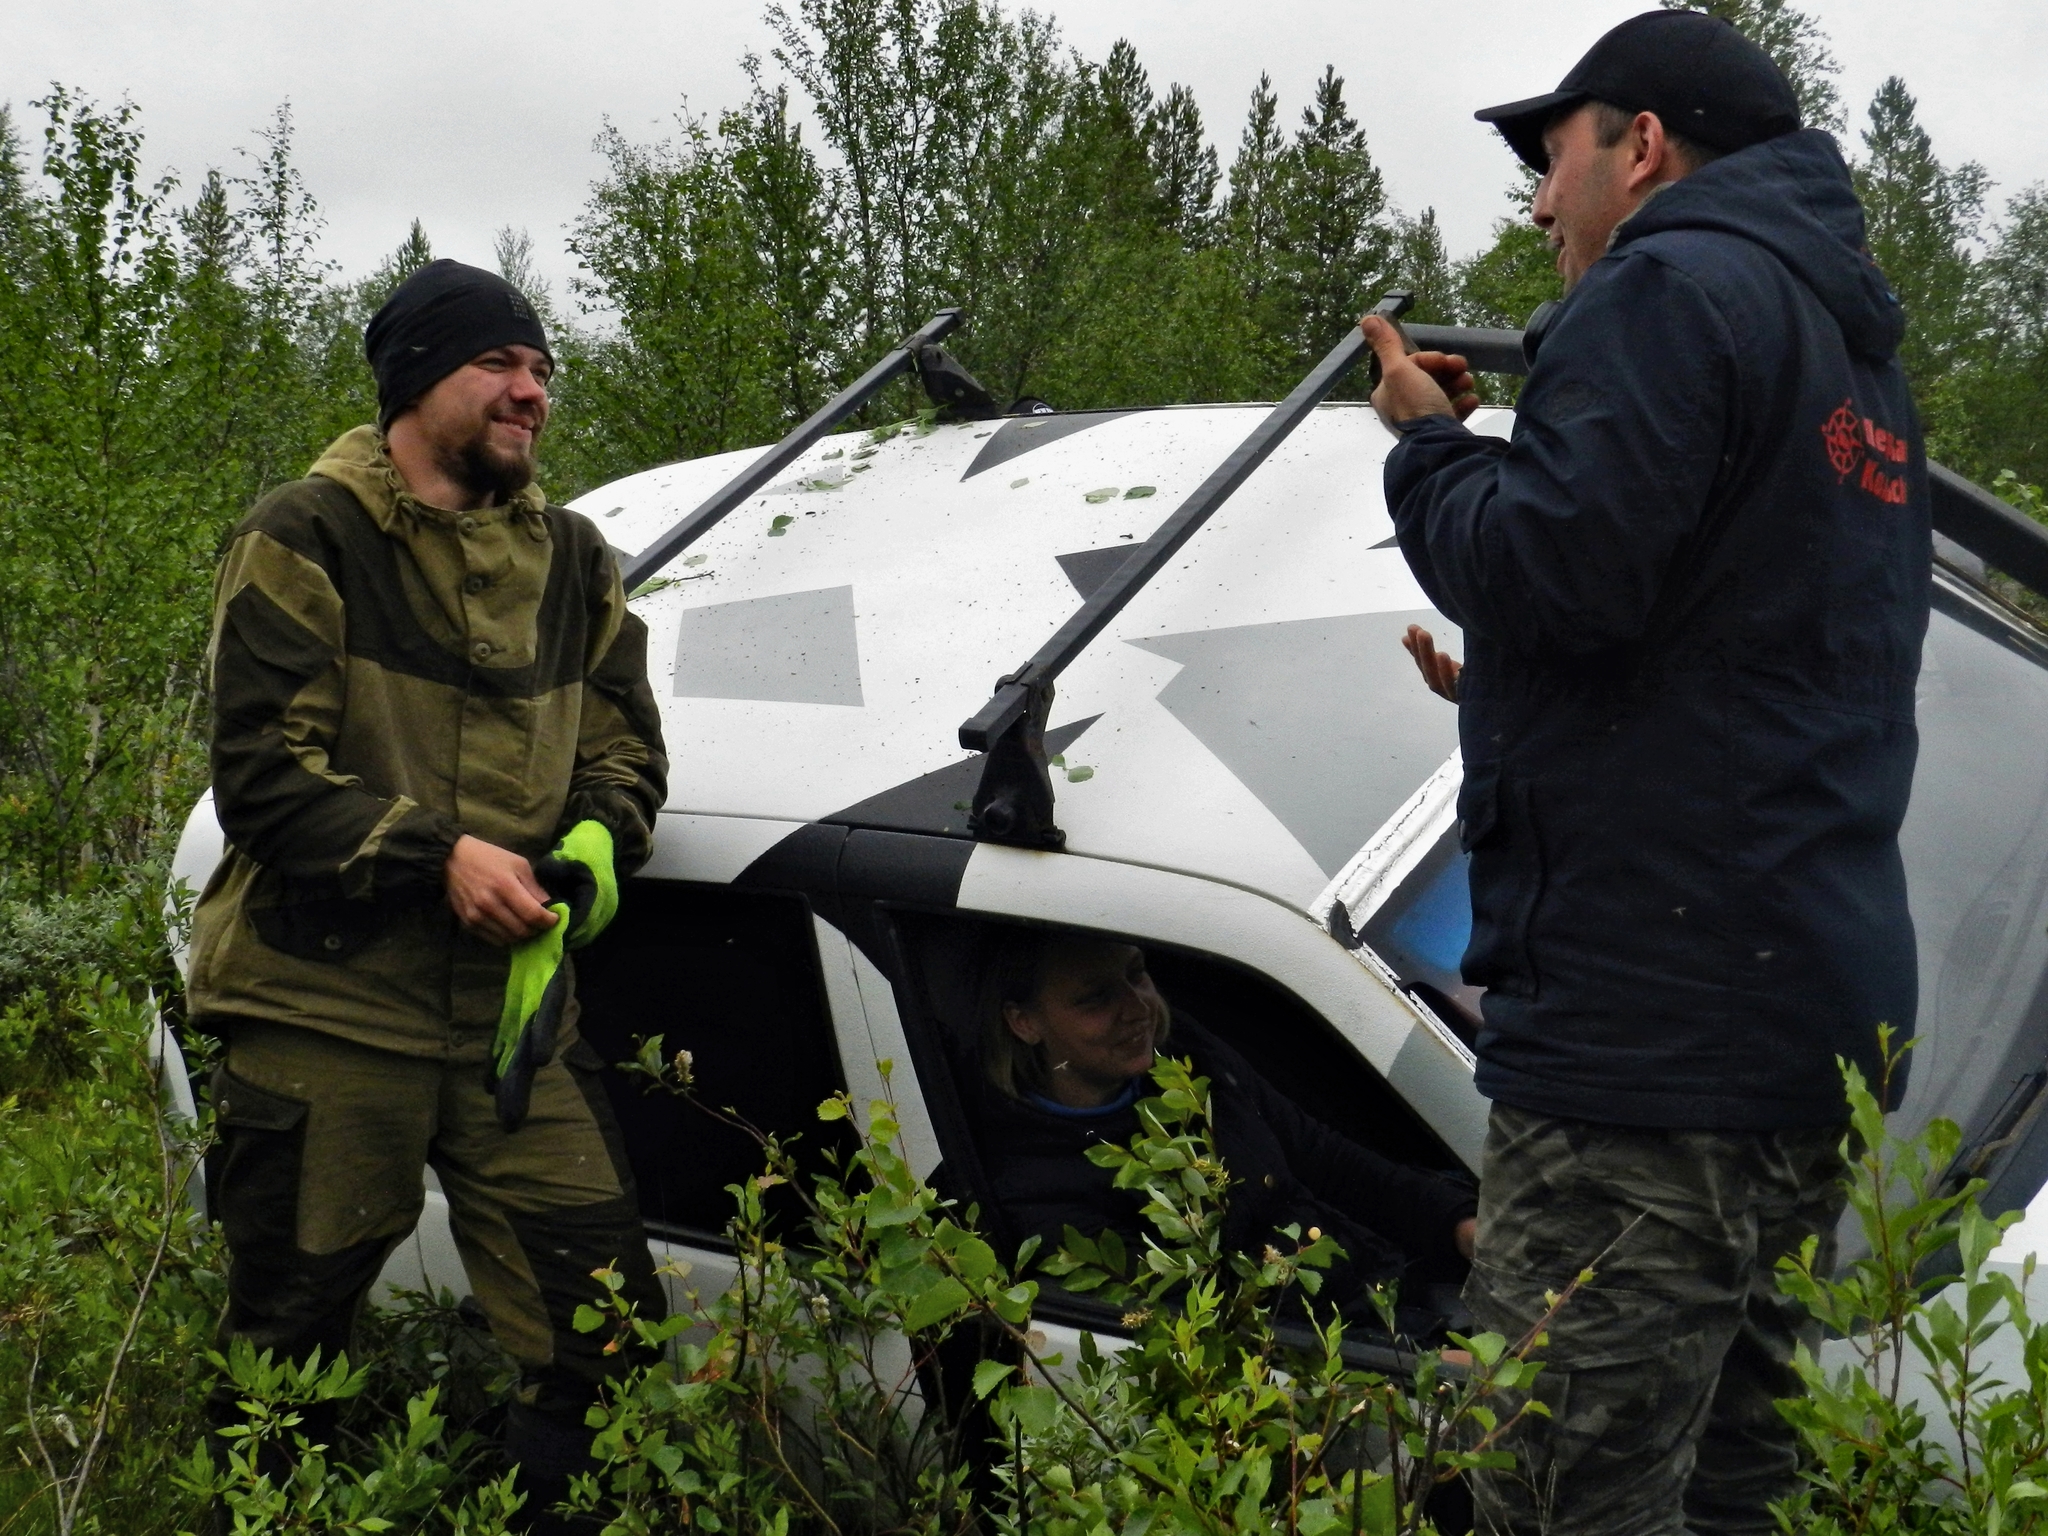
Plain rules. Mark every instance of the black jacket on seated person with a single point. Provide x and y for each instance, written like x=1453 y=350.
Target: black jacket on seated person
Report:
x=1394 y=1223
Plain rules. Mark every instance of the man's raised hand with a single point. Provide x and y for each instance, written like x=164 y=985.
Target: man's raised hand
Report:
x=1438 y=670
x=494 y=893
x=1417 y=384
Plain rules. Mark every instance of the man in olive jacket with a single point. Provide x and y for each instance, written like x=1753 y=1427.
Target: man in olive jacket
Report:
x=424 y=676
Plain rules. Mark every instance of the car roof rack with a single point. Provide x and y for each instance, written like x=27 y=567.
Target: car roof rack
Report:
x=636 y=569
x=1013 y=802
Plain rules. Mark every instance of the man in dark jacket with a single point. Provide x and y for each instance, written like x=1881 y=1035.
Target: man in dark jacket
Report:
x=1693 y=587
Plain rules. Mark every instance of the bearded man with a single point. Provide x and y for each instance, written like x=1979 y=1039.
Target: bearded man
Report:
x=425 y=679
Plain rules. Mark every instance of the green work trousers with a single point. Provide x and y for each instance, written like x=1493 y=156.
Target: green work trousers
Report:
x=319 y=1175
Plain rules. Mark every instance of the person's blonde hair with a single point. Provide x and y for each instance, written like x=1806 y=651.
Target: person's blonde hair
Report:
x=1014 y=977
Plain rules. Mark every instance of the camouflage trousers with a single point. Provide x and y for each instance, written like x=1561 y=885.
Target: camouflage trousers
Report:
x=319 y=1174
x=1662 y=1372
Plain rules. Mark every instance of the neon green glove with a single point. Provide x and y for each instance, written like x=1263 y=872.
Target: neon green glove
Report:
x=579 y=877
x=583 y=858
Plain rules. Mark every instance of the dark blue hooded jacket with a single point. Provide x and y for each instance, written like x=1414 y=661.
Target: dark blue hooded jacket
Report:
x=1693 y=590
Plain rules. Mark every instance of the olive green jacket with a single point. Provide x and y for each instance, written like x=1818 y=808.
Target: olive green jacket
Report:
x=386 y=677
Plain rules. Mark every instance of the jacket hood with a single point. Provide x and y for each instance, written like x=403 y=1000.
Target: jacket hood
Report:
x=1791 y=195
x=357 y=460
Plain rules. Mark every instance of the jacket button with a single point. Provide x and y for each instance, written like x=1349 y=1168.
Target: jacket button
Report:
x=467 y=524
x=332 y=941
x=473 y=584
x=1269 y=1181
x=481 y=650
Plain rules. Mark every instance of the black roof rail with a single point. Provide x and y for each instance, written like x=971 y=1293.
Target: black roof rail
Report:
x=637 y=568
x=1962 y=510
x=1999 y=534
x=1013 y=802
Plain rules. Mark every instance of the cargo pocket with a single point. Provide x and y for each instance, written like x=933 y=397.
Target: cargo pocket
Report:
x=253 y=1187
x=309 y=926
x=1497 y=827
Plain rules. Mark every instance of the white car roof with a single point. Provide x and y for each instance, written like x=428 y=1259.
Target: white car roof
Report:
x=1250 y=717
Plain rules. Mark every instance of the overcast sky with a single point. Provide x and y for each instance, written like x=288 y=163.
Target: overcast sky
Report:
x=472 y=115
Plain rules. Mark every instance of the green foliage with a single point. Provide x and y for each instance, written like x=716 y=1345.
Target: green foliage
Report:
x=2030 y=500
x=796 y=1406
x=1922 y=217
x=109 y=1281
x=1918 y=1434
x=152 y=381
x=1336 y=239
x=268 y=1477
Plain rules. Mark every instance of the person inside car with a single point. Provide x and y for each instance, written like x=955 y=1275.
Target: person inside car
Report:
x=1071 y=1024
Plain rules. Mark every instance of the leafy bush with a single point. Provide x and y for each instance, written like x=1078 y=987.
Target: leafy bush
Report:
x=1918 y=1435
x=110 y=1283
x=796 y=1411
x=412 y=1478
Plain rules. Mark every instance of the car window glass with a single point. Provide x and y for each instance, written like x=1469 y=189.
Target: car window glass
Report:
x=732 y=977
x=1975 y=844
x=1421 y=932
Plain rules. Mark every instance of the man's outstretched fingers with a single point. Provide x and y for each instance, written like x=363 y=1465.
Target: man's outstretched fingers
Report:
x=1439 y=672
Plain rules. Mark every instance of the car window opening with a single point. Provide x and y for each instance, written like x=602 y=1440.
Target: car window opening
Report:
x=732 y=977
x=1019 y=1185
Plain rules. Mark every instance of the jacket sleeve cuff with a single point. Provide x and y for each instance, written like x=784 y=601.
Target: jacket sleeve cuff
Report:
x=1432 y=426
x=632 y=837
x=414 y=851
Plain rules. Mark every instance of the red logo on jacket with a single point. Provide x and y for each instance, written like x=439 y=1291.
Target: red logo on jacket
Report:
x=1852 y=438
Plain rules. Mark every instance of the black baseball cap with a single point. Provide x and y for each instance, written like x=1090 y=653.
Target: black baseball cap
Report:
x=1701 y=76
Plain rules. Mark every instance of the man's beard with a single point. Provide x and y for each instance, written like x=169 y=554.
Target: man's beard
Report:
x=489 y=473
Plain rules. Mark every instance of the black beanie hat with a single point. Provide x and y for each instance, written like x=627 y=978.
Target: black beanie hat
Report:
x=437 y=320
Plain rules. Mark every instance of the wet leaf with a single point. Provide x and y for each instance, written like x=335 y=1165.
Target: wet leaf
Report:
x=1080 y=774
x=1019 y=484
x=781 y=524
x=695 y=559
x=1140 y=492
x=935 y=1305
x=1106 y=493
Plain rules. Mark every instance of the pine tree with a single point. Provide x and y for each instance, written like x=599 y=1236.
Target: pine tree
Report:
x=1922 y=218
x=1337 y=239
x=1184 y=166
x=1503 y=284
x=513 y=251
x=1422 y=266
x=1252 y=213
x=1996 y=399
